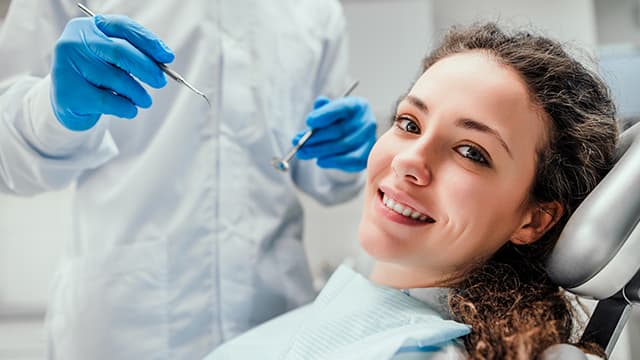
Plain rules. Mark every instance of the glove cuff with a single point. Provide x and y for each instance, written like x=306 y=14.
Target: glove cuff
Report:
x=49 y=135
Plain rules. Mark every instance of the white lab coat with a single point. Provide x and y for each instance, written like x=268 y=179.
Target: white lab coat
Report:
x=184 y=236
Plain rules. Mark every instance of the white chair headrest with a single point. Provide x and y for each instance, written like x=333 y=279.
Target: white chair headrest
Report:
x=598 y=252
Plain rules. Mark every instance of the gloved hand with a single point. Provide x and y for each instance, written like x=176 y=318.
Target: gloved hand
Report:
x=344 y=130
x=94 y=62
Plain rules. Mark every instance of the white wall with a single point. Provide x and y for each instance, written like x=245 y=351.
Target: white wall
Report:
x=32 y=231
x=388 y=40
x=619 y=36
x=568 y=20
x=618 y=21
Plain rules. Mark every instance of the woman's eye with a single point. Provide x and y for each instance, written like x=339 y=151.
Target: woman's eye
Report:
x=408 y=125
x=473 y=153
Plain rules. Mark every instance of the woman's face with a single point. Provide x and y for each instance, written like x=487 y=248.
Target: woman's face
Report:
x=448 y=183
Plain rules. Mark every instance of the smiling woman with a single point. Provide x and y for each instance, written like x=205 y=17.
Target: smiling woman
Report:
x=466 y=131
x=490 y=152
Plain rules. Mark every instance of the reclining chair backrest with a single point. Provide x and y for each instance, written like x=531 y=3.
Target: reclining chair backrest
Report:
x=598 y=253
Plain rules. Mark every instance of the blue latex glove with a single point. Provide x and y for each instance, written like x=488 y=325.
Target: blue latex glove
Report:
x=94 y=64
x=344 y=130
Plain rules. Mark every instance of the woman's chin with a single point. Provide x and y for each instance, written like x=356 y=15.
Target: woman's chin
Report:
x=376 y=244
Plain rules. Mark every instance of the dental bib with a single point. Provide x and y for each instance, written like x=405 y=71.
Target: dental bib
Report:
x=352 y=318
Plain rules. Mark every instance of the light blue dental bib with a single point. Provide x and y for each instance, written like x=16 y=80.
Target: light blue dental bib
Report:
x=352 y=318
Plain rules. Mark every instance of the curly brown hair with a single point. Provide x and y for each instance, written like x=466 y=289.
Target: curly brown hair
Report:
x=515 y=310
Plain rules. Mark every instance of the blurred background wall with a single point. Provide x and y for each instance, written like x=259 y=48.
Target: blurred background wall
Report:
x=387 y=40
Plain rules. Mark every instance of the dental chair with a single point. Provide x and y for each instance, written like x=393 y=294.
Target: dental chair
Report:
x=598 y=253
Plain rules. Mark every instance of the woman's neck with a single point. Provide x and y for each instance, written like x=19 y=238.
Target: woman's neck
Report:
x=404 y=277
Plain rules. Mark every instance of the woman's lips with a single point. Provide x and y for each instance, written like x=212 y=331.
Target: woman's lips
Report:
x=400 y=212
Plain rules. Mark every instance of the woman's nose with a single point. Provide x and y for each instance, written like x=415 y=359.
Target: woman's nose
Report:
x=411 y=165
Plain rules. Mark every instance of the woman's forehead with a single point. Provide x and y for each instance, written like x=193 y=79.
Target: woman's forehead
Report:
x=474 y=71
x=477 y=77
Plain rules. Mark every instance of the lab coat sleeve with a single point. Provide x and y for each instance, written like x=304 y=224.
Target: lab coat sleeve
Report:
x=329 y=186
x=37 y=153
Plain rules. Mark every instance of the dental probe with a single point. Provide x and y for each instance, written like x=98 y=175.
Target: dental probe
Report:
x=171 y=73
x=283 y=164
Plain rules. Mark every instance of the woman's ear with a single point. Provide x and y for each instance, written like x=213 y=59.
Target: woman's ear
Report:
x=537 y=221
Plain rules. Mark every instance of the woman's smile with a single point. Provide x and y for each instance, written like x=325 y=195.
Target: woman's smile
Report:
x=391 y=207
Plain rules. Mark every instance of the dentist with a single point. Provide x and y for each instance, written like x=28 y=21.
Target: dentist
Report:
x=183 y=234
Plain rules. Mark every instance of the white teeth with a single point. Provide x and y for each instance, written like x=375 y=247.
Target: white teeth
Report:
x=398 y=208
x=402 y=209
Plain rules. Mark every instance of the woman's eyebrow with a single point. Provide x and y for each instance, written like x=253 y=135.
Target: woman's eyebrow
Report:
x=464 y=123
x=478 y=126
x=417 y=103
